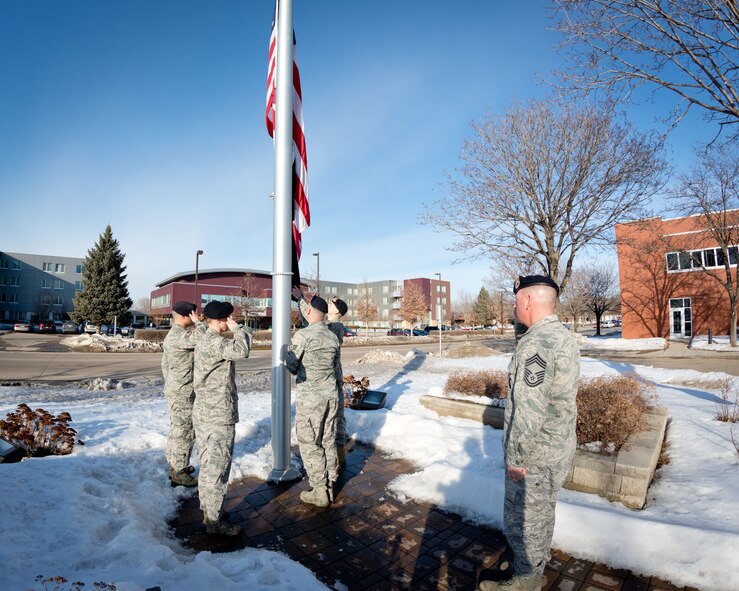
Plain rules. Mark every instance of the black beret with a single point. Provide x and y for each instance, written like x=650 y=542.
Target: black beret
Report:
x=529 y=280
x=183 y=308
x=319 y=304
x=340 y=305
x=217 y=310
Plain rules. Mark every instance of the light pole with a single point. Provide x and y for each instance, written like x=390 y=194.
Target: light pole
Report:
x=197 y=301
x=438 y=299
x=318 y=271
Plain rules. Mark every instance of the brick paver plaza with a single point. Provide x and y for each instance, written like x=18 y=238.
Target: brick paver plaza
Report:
x=367 y=539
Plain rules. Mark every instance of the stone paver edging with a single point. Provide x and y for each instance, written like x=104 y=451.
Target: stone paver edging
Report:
x=623 y=477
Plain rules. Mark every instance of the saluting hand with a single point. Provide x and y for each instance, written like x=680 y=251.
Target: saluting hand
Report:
x=232 y=324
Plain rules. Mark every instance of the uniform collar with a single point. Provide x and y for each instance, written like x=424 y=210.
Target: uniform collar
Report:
x=542 y=322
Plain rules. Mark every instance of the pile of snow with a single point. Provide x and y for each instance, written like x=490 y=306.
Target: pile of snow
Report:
x=99 y=342
x=468 y=349
x=104 y=384
x=438 y=392
x=722 y=343
x=381 y=356
x=614 y=343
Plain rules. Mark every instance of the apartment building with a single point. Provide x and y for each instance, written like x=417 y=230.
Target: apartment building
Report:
x=38 y=287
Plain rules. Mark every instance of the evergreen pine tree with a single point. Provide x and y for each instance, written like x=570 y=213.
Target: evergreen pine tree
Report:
x=104 y=292
x=481 y=313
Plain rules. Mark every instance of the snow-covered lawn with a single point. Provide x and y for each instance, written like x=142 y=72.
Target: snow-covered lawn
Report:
x=101 y=513
x=718 y=344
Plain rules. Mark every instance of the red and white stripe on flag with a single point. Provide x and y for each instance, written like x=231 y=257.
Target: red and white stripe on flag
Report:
x=301 y=210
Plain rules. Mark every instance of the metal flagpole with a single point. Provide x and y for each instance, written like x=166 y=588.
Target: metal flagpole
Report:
x=282 y=248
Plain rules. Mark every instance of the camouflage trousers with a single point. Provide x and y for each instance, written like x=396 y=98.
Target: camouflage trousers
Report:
x=216 y=444
x=315 y=425
x=181 y=436
x=529 y=517
x=340 y=420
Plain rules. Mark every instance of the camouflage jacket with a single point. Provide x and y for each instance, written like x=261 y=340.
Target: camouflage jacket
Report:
x=338 y=329
x=177 y=360
x=313 y=357
x=541 y=412
x=215 y=376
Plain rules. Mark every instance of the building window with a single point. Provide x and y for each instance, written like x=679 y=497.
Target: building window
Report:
x=160 y=302
x=385 y=288
x=78 y=285
x=3 y=263
x=59 y=268
x=46 y=284
x=16 y=266
x=696 y=259
x=3 y=281
x=13 y=298
x=57 y=301
x=3 y=297
x=15 y=281
x=80 y=268
x=58 y=284
x=48 y=266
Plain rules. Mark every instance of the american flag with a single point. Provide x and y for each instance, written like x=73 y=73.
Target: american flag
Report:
x=301 y=210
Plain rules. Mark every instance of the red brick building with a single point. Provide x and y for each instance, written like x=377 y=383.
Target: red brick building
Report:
x=438 y=298
x=244 y=288
x=665 y=290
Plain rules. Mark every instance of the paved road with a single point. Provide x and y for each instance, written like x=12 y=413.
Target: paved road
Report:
x=40 y=358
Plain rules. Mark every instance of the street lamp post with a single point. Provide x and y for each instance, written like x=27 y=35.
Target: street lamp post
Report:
x=438 y=299
x=197 y=300
x=318 y=271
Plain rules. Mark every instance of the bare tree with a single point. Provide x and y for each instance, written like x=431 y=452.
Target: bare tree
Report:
x=462 y=311
x=543 y=181
x=246 y=297
x=711 y=193
x=684 y=47
x=143 y=304
x=413 y=306
x=43 y=306
x=600 y=293
x=571 y=300
x=366 y=307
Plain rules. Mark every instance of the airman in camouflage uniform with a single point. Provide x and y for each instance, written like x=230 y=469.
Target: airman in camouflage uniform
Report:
x=177 y=369
x=312 y=357
x=216 y=411
x=539 y=430
x=336 y=309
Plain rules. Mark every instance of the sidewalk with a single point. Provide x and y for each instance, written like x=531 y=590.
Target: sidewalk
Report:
x=368 y=540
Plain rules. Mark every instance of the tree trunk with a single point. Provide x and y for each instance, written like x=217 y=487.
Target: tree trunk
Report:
x=732 y=324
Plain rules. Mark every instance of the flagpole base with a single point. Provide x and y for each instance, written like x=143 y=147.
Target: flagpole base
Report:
x=287 y=475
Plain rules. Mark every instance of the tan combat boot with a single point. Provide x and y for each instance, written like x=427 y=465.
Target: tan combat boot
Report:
x=316 y=496
x=514 y=584
x=221 y=528
x=182 y=477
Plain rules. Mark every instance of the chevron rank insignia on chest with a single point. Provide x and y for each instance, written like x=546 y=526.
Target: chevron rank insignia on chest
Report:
x=534 y=369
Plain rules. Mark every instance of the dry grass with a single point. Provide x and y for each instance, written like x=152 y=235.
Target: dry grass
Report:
x=38 y=432
x=611 y=409
x=490 y=383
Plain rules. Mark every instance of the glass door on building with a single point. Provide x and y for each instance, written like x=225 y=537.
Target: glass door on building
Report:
x=681 y=318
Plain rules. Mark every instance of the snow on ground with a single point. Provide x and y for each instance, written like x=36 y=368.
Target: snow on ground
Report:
x=101 y=513
x=614 y=342
x=719 y=344
x=117 y=344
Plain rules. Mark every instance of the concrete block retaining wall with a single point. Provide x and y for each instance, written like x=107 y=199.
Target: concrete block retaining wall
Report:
x=622 y=477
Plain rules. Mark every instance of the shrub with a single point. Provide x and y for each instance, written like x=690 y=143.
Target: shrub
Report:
x=150 y=334
x=38 y=432
x=611 y=409
x=490 y=383
x=727 y=410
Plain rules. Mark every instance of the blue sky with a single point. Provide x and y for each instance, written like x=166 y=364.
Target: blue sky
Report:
x=149 y=116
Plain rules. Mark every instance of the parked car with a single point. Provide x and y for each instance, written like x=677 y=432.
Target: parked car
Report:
x=126 y=331
x=398 y=332
x=91 y=328
x=46 y=326
x=417 y=332
x=348 y=332
x=111 y=330
x=22 y=326
x=69 y=327
x=429 y=328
